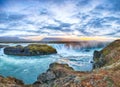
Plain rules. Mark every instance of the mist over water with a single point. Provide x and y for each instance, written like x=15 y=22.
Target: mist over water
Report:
x=27 y=68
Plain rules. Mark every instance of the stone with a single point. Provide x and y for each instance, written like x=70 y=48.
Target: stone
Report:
x=30 y=50
x=48 y=76
x=96 y=54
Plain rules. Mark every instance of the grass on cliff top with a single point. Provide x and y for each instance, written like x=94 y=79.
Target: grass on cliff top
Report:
x=41 y=47
x=110 y=47
x=111 y=53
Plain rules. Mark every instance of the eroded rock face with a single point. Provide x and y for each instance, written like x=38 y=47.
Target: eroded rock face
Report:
x=109 y=55
x=99 y=60
x=97 y=54
x=54 y=72
x=45 y=77
x=30 y=50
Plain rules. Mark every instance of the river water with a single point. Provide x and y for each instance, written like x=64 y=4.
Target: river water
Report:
x=27 y=68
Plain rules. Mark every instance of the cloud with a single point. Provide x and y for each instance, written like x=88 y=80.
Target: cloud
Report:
x=61 y=17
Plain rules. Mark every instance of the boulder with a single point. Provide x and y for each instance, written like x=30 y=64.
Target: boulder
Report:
x=54 y=72
x=30 y=50
x=99 y=60
x=96 y=54
x=45 y=77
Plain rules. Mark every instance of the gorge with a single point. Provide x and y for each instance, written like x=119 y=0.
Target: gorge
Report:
x=75 y=76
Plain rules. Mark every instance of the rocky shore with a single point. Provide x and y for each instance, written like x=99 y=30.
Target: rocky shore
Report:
x=106 y=72
x=11 y=82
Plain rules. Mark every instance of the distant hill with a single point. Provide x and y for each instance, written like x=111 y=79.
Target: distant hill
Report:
x=46 y=39
x=57 y=39
x=12 y=39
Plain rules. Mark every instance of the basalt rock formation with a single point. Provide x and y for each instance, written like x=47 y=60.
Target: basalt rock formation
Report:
x=30 y=50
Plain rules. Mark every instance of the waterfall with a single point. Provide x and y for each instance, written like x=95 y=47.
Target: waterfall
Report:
x=78 y=55
x=63 y=49
x=78 y=49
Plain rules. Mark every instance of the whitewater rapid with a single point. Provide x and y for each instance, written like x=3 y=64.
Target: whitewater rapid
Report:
x=28 y=68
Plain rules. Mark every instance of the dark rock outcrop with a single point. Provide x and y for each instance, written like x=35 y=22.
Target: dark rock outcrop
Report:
x=1 y=46
x=97 y=54
x=55 y=72
x=30 y=50
x=99 y=60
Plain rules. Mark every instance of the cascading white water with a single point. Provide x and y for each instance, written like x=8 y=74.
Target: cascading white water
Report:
x=21 y=66
x=64 y=50
x=78 y=56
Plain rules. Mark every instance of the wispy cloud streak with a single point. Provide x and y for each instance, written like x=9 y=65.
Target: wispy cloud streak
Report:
x=60 y=17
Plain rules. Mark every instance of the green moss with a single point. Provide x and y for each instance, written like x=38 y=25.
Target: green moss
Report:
x=30 y=50
x=106 y=52
x=111 y=46
x=41 y=48
x=55 y=85
x=111 y=61
x=111 y=53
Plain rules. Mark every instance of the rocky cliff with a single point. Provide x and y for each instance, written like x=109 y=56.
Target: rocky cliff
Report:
x=108 y=55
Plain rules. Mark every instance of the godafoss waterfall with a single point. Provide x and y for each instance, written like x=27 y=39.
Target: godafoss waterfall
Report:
x=27 y=68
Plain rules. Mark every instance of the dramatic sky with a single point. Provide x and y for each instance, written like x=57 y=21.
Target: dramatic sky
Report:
x=60 y=18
